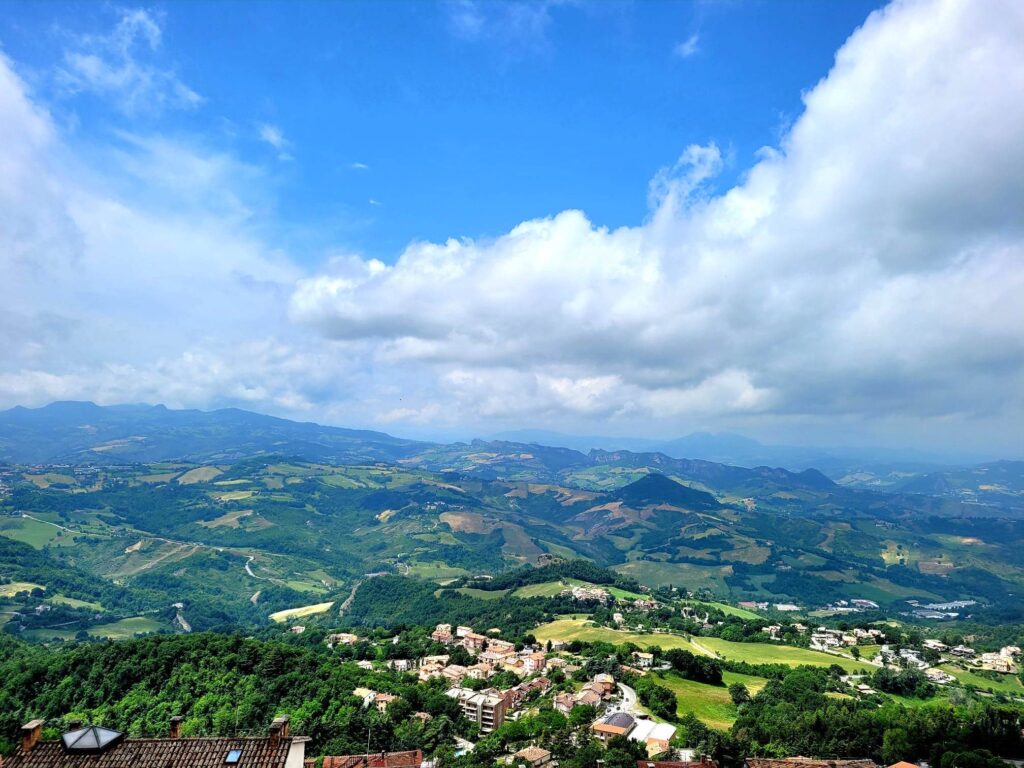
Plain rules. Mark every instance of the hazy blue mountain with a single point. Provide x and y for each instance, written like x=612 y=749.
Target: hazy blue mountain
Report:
x=86 y=432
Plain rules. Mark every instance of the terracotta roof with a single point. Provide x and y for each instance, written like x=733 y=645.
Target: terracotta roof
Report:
x=378 y=760
x=904 y=764
x=158 y=753
x=533 y=754
x=808 y=762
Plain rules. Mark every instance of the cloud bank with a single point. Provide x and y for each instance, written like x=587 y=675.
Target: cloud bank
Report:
x=870 y=267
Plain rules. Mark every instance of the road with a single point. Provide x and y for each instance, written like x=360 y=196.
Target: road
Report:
x=628 y=698
x=248 y=570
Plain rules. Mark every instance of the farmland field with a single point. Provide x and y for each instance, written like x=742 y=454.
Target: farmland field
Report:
x=33 y=532
x=754 y=653
x=553 y=588
x=199 y=475
x=711 y=703
x=728 y=610
x=10 y=590
x=1009 y=684
x=306 y=610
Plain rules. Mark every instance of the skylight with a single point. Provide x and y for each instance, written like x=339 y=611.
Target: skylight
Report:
x=91 y=739
x=233 y=756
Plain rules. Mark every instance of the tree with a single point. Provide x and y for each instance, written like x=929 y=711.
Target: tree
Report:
x=895 y=745
x=739 y=694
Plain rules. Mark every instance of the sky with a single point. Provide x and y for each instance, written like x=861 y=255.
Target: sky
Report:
x=801 y=221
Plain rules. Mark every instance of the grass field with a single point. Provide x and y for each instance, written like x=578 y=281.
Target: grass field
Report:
x=33 y=532
x=306 y=610
x=1009 y=684
x=199 y=475
x=772 y=653
x=10 y=590
x=728 y=610
x=115 y=630
x=579 y=629
x=47 y=479
x=125 y=628
x=436 y=570
x=710 y=703
x=553 y=588
x=481 y=594
x=754 y=653
x=74 y=602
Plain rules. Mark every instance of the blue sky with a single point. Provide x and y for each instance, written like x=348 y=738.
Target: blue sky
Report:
x=798 y=221
x=466 y=130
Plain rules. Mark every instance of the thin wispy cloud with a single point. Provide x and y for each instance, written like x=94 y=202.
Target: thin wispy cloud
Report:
x=508 y=24
x=274 y=136
x=688 y=47
x=122 y=66
x=359 y=167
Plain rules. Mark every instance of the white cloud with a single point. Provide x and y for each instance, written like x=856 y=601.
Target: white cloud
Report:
x=359 y=167
x=274 y=136
x=870 y=267
x=872 y=264
x=512 y=25
x=688 y=47
x=115 y=66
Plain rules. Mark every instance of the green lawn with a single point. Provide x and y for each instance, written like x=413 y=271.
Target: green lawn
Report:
x=711 y=703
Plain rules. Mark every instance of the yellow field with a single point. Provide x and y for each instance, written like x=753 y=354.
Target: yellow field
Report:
x=10 y=590
x=233 y=495
x=199 y=475
x=306 y=610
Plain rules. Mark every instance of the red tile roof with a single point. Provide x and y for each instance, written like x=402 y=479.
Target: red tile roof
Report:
x=159 y=753
x=411 y=759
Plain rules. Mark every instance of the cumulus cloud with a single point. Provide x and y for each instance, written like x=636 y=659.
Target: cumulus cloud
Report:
x=869 y=267
x=143 y=283
x=119 y=66
x=872 y=264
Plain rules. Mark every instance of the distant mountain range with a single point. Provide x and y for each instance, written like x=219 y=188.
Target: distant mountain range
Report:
x=739 y=450
x=88 y=433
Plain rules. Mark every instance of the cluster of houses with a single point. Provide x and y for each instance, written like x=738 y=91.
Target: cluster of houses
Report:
x=1005 y=660
x=825 y=639
x=490 y=653
x=594 y=694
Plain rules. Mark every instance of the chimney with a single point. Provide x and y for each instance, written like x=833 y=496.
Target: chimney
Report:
x=175 y=732
x=30 y=733
x=278 y=730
